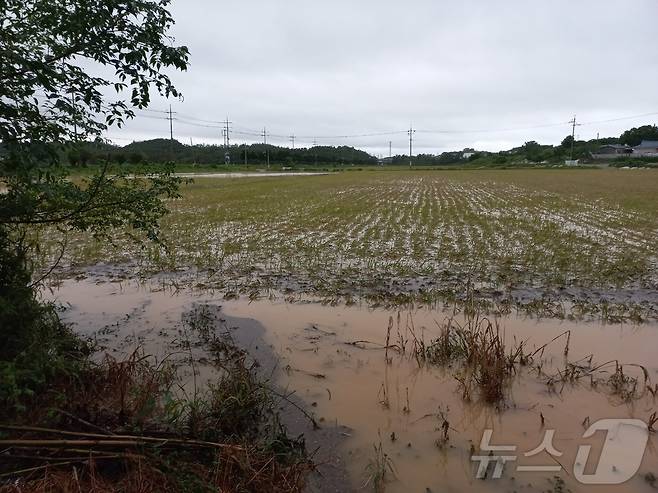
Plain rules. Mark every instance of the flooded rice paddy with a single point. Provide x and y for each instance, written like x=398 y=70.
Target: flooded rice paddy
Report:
x=556 y=243
x=390 y=411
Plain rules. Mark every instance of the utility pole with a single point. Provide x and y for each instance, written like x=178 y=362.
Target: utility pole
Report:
x=171 y=124
x=573 y=135
x=267 y=150
x=315 y=150
x=390 y=152
x=245 y=154
x=227 y=141
x=170 y=117
x=411 y=133
x=227 y=132
x=292 y=139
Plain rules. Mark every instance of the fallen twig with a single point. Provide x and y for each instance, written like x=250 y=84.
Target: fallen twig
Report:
x=105 y=440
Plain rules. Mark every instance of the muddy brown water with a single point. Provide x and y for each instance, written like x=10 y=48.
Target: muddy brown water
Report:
x=353 y=390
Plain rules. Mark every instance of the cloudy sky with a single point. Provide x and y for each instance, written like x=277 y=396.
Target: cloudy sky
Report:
x=489 y=74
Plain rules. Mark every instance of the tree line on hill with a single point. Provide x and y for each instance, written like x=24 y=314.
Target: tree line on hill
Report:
x=165 y=150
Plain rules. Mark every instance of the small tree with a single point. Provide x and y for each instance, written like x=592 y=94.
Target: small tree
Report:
x=48 y=100
x=635 y=136
x=567 y=142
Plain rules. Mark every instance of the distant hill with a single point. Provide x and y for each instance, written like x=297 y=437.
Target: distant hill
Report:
x=165 y=150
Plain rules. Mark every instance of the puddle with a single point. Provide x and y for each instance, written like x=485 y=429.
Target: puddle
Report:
x=403 y=405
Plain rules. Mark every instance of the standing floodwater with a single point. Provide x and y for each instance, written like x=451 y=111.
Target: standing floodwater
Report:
x=356 y=370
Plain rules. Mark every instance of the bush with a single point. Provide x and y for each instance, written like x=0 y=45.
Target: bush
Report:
x=36 y=346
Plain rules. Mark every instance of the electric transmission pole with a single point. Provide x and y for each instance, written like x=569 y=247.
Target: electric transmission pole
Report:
x=390 y=152
x=267 y=151
x=227 y=131
x=170 y=117
x=411 y=133
x=227 y=141
x=171 y=124
x=292 y=139
x=573 y=135
x=315 y=150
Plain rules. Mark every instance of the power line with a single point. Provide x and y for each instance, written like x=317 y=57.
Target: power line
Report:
x=185 y=119
x=149 y=110
x=184 y=122
x=518 y=129
x=620 y=118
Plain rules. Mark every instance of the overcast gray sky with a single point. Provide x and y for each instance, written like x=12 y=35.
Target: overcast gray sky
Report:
x=471 y=69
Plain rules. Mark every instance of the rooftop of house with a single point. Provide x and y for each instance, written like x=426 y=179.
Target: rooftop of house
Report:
x=648 y=143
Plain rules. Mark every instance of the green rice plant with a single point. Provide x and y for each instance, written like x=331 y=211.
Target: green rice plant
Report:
x=380 y=469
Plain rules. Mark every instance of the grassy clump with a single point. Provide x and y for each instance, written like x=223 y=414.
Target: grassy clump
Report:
x=486 y=364
x=380 y=469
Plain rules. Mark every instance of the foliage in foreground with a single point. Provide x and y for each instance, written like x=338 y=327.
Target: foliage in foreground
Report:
x=68 y=424
x=49 y=100
x=35 y=344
